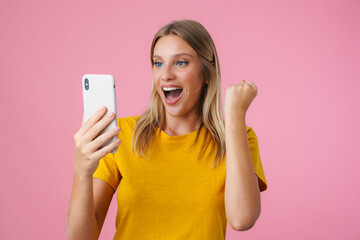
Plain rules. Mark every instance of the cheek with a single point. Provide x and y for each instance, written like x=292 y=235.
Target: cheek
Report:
x=195 y=82
x=156 y=79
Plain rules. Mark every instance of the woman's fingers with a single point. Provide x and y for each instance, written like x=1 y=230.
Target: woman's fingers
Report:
x=102 y=139
x=94 y=131
x=105 y=150
x=91 y=121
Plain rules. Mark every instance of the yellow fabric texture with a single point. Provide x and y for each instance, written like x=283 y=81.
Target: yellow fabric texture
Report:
x=170 y=195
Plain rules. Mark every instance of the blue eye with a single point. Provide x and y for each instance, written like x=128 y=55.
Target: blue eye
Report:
x=158 y=64
x=182 y=63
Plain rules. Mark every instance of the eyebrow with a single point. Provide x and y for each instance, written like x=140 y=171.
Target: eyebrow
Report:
x=173 y=56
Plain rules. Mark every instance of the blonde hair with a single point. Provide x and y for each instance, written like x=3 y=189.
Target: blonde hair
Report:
x=210 y=106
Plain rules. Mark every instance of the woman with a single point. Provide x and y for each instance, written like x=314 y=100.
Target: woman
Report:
x=169 y=169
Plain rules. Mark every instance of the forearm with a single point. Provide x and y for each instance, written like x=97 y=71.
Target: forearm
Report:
x=242 y=195
x=81 y=219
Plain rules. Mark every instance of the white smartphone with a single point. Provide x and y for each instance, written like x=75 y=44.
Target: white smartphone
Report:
x=98 y=91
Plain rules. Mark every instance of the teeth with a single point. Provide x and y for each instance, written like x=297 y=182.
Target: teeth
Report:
x=170 y=88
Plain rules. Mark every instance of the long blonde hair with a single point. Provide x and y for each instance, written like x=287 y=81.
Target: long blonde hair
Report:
x=210 y=108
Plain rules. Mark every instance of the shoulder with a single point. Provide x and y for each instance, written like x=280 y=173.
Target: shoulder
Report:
x=127 y=122
x=252 y=138
x=250 y=130
x=251 y=133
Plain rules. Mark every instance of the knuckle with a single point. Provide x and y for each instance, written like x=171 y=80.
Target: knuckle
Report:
x=76 y=137
x=95 y=130
x=97 y=141
x=109 y=118
x=94 y=119
x=105 y=121
x=95 y=158
x=77 y=145
x=91 y=158
x=83 y=151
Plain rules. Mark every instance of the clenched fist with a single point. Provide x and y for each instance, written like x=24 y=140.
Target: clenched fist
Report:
x=238 y=99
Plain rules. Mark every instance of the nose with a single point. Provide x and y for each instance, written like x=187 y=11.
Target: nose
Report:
x=167 y=73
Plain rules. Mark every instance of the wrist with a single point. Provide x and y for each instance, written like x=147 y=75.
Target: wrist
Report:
x=82 y=175
x=235 y=117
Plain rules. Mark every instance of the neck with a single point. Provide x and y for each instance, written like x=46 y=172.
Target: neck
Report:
x=181 y=125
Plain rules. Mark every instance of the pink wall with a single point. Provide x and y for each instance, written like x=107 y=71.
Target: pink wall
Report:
x=303 y=56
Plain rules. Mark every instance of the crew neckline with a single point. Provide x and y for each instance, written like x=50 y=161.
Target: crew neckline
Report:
x=177 y=138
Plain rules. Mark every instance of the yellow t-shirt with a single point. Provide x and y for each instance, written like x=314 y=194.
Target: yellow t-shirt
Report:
x=170 y=195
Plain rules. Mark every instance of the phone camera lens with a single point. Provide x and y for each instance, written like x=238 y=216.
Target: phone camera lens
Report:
x=86 y=84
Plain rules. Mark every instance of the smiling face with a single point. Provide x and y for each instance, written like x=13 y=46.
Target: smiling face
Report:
x=177 y=75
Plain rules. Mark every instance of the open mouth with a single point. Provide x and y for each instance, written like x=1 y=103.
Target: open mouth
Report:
x=172 y=93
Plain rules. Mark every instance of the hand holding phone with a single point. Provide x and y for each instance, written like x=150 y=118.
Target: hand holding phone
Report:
x=98 y=133
x=88 y=141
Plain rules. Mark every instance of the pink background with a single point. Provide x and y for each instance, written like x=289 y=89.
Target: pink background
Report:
x=303 y=55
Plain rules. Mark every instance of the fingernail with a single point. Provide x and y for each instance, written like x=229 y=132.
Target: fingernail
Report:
x=102 y=108
x=118 y=141
x=110 y=115
x=117 y=129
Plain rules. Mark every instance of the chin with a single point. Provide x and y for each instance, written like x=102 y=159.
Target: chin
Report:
x=173 y=112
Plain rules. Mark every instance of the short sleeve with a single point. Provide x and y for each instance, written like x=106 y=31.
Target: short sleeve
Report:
x=256 y=160
x=108 y=171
